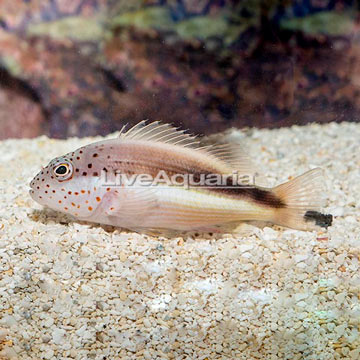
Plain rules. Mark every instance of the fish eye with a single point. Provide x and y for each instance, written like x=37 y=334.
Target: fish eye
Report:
x=63 y=171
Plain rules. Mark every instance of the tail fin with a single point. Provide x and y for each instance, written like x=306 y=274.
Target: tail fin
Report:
x=303 y=199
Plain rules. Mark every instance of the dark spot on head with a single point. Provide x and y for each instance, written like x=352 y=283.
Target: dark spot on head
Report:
x=76 y=193
x=95 y=155
x=52 y=177
x=78 y=158
x=84 y=173
x=69 y=192
x=42 y=179
x=47 y=185
x=38 y=187
x=77 y=170
x=80 y=151
x=83 y=191
x=95 y=173
x=46 y=192
x=89 y=166
x=105 y=169
x=108 y=156
x=54 y=191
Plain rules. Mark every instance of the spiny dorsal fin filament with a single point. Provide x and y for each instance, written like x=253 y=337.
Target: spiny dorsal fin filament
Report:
x=158 y=132
x=230 y=153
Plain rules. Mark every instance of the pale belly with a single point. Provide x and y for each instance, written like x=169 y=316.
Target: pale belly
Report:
x=178 y=209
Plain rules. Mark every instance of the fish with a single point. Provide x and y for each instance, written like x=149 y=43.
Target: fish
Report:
x=201 y=188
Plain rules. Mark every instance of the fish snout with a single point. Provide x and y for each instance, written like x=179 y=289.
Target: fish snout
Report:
x=34 y=185
x=31 y=192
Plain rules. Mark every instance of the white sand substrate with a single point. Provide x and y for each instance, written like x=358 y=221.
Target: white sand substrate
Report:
x=72 y=290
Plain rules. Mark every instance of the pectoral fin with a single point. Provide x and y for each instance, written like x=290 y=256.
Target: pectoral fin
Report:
x=127 y=206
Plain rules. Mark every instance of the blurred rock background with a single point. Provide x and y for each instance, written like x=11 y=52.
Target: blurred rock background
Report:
x=86 y=67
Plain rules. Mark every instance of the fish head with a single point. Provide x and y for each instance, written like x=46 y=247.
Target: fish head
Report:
x=65 y=185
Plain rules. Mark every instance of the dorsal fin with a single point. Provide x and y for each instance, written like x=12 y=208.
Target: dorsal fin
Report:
x=159 y=132
x=230 y=153
x=234 y=155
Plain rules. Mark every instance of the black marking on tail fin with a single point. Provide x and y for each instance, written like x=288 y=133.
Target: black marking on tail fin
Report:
x=322 y=220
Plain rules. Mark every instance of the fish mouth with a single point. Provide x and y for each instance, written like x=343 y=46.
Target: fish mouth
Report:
x=32 y=183
x=32 y=193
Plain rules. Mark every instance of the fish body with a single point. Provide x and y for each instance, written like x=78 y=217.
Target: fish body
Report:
x=89 y=185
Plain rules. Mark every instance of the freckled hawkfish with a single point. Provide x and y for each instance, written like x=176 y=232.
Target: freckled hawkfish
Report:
x=89 y=185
